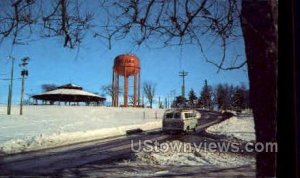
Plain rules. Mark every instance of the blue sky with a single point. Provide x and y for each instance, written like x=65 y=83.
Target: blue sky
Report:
x=91 y=66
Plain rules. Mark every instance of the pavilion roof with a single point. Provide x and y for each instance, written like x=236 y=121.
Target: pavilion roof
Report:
x=64 y=93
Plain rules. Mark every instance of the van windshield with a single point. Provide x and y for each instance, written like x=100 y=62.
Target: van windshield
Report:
x=169 y=115
x=177 y=115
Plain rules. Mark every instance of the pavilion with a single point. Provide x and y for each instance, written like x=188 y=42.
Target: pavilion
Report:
x=69 y=94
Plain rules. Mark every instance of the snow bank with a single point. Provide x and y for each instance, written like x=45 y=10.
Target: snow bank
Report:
x=58 y=139
x=49 y=126
x=238 y=127
x=198 y=157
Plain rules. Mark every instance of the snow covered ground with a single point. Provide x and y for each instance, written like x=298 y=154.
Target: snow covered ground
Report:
x=199 y=163
x=49 y=126
x=198 y=157
x=238 y=127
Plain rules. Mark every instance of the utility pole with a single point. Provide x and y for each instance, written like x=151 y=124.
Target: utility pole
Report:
x=183 y=74
x=24 y=73
x=143 y=103
x=159 y=103
x=10 y=85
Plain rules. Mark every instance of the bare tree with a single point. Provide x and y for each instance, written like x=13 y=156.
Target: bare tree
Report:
x=260 y=34
x=131 y=100
x=179 y=22
x=60 y=18
x=149 y=91
x=16 y=16
x=48 y=87
x=205 y=98
x=66 y=20
x=108 y=90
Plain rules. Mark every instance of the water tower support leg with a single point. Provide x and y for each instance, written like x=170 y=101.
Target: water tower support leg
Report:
x=139 y=88
x=117 y=90
x=113 y=90
x=125 y=91
x=134 y=90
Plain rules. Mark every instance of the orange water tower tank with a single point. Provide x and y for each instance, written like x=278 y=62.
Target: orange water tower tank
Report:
x=126 y=65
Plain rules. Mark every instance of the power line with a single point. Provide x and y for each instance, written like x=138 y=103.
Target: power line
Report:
x=5 y=79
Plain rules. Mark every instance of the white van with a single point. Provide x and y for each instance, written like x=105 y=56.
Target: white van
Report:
x=180 y=120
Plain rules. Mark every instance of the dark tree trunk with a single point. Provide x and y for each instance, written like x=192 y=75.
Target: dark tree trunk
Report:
x=259 y=25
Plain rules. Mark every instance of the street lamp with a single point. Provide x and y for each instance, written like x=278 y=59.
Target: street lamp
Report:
x=24 y=74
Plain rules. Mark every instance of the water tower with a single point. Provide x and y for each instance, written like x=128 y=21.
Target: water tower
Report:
x=126 y=65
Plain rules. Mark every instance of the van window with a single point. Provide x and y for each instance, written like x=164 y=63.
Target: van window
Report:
x=189 y=115
x=177 y=115
x=169 y=115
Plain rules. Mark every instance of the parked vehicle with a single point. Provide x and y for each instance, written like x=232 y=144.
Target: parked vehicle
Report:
x=180 y=120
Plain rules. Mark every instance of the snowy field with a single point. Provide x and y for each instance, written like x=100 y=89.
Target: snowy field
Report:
x=49 y=126
x=238 y=127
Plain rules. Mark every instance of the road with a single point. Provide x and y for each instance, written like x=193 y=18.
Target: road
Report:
x=51 y=161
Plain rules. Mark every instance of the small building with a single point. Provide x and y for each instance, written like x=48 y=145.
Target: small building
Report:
x=68 y=94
